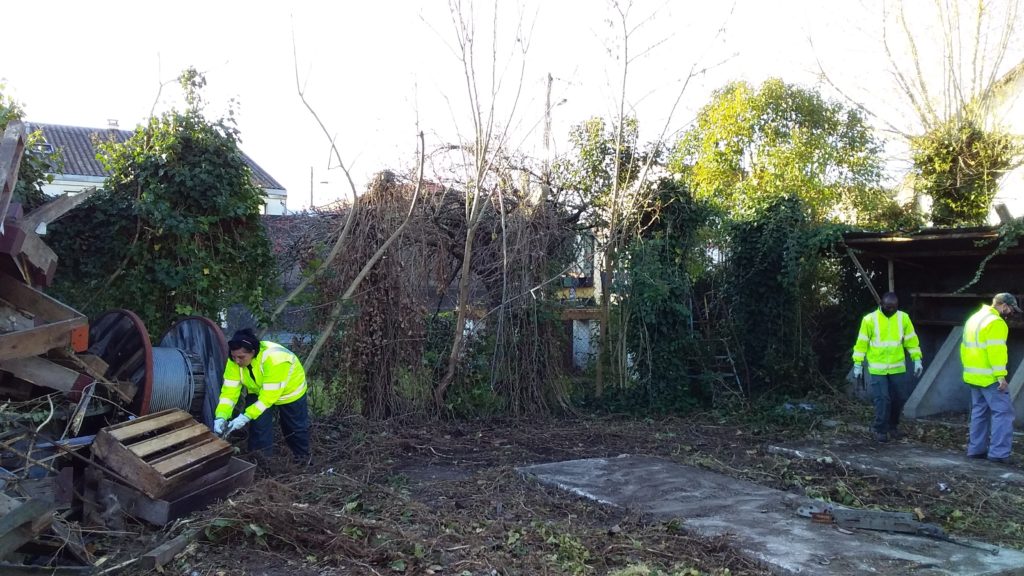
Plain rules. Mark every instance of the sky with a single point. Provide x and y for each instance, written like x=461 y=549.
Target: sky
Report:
x=378 y=72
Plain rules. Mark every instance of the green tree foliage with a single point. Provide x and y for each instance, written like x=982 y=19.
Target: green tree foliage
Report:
x=751 y=146
x=587 y=175
x=176 y=230
x=36 y=163
x=958 y=164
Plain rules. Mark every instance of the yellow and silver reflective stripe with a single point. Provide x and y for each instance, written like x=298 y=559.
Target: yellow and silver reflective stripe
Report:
x=858 y=356
x=982 y=324
x=293 y=395
x=913 y=351
x=226 y=402
x=988 y=371
x=878 y=342
x=231 y=384
x=885 y=344
x=880 y=366
x=259 y=406
x=985 y=344
x=863 y=337
x=273 y=385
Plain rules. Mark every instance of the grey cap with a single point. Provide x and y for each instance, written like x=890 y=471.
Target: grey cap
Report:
x=1008 y=299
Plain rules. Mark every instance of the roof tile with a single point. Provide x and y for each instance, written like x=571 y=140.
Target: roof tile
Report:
x=76 y=144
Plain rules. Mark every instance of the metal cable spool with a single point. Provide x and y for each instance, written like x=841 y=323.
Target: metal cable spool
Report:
x=173 y=375
x=205 y=341
x=173 y=381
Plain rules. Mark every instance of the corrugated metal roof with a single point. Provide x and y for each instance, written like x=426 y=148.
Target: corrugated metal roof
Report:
x=77 y=145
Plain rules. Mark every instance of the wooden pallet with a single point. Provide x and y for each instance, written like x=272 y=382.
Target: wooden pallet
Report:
x=184 y=500
x=45 y=324
x=161 y=451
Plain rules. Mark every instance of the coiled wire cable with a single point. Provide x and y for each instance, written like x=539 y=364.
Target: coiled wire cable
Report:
x=173 y=382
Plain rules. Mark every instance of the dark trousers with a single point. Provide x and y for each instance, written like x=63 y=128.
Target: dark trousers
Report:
x=889 y=392
x=294 y=418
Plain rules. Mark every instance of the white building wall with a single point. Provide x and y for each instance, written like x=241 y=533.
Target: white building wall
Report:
x=1008 y=114
x=276 y=202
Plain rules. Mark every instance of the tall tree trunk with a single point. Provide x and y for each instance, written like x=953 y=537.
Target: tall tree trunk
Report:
x=462 y=304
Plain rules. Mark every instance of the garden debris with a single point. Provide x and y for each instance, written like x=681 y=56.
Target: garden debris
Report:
x=164 y=553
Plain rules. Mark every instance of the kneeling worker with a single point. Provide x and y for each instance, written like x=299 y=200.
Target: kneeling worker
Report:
x=276 y=382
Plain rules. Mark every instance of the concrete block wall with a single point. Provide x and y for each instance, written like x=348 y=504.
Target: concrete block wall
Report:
x=941 y=389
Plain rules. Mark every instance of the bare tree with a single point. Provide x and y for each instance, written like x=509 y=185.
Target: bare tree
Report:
x=627 y=194
x=339 y=243
x=490 y=133
x=973 y=42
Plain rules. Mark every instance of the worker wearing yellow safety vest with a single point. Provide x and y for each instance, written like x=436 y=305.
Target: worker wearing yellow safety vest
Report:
x=275 y=381
x=983 y=355
x=886 y=336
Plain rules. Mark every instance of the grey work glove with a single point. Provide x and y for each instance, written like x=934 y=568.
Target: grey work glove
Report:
x=238 y=423
x=858 y=370
x=219 y=425
x=918 y=369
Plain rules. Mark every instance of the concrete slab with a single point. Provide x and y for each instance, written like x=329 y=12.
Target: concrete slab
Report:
x=904 y=462
x=761 y=521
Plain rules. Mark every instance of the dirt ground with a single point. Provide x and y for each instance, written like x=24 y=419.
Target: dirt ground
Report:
x=446 y=499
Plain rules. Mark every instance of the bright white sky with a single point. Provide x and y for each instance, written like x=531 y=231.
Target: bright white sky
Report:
x=374 y=69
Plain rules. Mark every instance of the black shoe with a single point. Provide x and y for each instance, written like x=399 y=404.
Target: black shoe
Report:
x=881 y=437
x=999 y=460
x=977 y=456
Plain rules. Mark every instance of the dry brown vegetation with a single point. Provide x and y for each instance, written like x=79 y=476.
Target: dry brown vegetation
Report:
x=447 y=499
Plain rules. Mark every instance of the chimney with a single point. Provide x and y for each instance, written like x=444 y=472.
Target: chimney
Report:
x=112 y=123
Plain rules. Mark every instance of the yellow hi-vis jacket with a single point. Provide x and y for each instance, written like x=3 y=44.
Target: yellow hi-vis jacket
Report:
x=883 y=339
x=983 y=348
x=275 y=374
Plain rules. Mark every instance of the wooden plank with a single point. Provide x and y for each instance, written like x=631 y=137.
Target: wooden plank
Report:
x=186 y=498
x=12 y=319
x=39 y=340
x=122 y=462
x=23 y=524
x=165 y=552
x=94 y=363
x=28 y=247
x=146 y=424
x=165 y=441
x=28 y=570
x=11 y=148
x=55 y=208
x=8 y=504
x=27 y=298
x=181 y=460
x=43 y=372
x=592 y=313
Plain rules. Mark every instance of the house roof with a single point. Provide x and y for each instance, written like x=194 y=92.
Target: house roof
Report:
x=76 y=143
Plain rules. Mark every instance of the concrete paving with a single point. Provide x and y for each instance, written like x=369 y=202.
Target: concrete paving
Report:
x=761 y=522
x=905 y=462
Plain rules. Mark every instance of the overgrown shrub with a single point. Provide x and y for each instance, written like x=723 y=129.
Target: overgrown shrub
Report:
x=959 y=164
x=775 y=280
